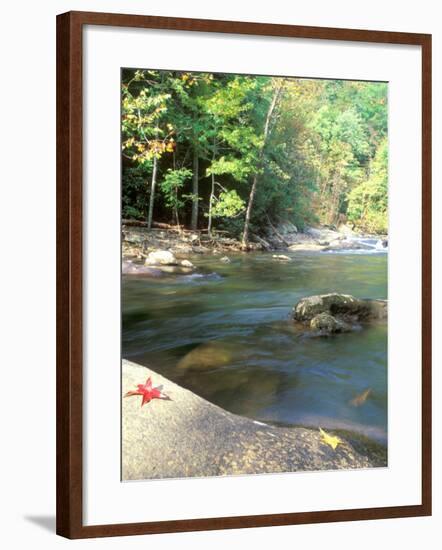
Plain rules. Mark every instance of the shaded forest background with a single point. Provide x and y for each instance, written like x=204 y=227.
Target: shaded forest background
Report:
x=236 y=152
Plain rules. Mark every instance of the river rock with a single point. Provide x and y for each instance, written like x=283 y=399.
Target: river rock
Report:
x=133 y=237
x=346 y=230
x=181 y=248
x=131 y=268
x=207 y=356
x=343 y=306
x=200 y=249
x=326 y=324
x=346 y=244
x=281 y=257
x=187 y=263
x=287 y=228
x=161 y=257
x=128 y=267
x=225 y=259
x=324 y=233
x=306 y=247
x=172 y=269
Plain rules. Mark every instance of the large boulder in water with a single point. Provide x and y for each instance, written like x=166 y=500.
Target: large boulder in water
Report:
x=161 y=257
x=342 y=306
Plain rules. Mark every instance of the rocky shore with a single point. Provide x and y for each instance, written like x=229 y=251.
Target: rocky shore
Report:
x=138 y=241
x=187 y=436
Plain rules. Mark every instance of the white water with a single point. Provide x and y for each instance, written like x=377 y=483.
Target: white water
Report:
x=369 y=245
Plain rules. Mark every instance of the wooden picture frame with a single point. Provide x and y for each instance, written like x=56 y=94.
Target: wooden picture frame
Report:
x=70 y=270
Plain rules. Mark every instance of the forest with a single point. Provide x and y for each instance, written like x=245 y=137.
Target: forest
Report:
x=236 y=153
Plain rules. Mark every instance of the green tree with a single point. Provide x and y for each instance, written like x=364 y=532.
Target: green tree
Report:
x=145 y=137
x=248 y=151
x=172 y=183
x=368 y=202
x=233 y=144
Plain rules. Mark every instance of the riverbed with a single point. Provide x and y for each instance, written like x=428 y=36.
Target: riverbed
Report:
x=225 y=332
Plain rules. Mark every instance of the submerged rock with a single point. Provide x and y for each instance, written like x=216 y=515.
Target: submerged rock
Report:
x=131 y=268
x=225 y=259
x=161 y=257
x=207 y=356
x=378 y=309
x=128 y=267
x=201 y=278
x=174 y=269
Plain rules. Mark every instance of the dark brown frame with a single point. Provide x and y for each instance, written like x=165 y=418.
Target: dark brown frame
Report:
x=69 y=273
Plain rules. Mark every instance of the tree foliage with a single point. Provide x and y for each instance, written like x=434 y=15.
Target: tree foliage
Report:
x=224 y=148
x=368 y=202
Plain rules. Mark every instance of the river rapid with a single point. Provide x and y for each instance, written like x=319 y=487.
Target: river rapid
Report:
x=225 y=332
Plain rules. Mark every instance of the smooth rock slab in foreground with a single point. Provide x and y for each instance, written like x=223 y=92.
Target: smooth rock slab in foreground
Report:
x=190 y=437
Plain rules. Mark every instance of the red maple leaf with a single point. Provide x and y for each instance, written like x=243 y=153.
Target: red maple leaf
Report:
x=147 y=392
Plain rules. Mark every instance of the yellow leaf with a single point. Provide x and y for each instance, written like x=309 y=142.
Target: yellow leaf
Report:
x=332 y=440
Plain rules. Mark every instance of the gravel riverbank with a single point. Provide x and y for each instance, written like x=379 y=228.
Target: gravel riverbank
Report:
x=138 y=241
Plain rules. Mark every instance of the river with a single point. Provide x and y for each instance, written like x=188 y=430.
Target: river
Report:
x=234 y=321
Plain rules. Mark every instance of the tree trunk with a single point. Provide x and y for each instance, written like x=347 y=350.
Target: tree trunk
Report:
x=195 y=200
x=212 y=194
x=175 y=208
x=177 y=218
x=152 y=192
x=245 y=235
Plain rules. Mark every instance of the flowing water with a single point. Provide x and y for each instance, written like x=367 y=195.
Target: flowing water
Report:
x=225 y=333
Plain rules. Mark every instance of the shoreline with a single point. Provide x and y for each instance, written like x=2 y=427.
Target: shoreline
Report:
x=138 y=241
x=188 y=436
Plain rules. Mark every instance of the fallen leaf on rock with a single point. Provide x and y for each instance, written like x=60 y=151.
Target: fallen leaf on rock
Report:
x=148 y=392
x=332 y=440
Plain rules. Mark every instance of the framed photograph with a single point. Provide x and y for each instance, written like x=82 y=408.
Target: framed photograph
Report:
x=243 y=274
